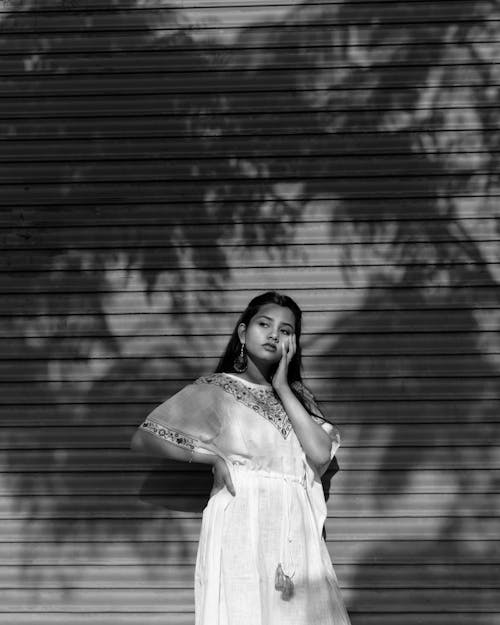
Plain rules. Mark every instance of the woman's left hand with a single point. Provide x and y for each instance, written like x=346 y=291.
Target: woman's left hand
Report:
x=288 y=349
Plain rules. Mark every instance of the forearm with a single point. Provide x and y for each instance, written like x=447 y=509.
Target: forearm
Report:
x=148 y=444
x=314 y=440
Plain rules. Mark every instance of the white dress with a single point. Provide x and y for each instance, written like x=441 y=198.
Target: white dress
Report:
x=275 y=520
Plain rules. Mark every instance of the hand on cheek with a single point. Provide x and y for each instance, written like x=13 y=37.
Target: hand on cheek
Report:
x=288 y=347
x=285 y=346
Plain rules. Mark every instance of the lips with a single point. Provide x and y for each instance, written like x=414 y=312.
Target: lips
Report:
x=270 y=346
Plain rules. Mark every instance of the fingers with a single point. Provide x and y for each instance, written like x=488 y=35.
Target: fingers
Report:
x=288 y=349
x=222 y=477
x=291 y=347
x=230 y=485
x=284 y=350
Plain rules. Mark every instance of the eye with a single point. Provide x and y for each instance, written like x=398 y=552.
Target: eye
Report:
x=263 y=323
x=287 y=332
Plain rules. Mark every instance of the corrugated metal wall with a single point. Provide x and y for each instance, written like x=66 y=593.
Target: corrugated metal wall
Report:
x=163 y=162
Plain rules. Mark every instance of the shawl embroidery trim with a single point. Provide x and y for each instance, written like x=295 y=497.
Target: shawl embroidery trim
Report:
x=170 y=435
x=262 y=400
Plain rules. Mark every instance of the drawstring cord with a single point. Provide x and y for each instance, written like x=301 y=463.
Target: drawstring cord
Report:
x=286 y=566
x=283 y=576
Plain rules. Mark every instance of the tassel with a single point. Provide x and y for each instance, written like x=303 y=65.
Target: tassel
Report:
x=279 y=578
x=284 y=583
x=287 y=592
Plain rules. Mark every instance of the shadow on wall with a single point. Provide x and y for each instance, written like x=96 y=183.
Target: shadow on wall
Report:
x=417 y=366
x=129 y=141
x=119 y=156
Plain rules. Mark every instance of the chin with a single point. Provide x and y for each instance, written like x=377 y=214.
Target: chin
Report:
x=266 y=357
x=271 y=357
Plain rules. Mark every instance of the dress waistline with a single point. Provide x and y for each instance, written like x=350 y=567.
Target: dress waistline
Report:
x=287 y=477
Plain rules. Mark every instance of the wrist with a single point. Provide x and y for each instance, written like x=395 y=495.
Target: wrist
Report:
x=282 y=389
x=198 y=457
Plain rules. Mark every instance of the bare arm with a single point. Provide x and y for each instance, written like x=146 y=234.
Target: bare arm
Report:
x=314 y=440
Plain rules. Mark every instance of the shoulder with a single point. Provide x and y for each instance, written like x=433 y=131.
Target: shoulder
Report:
x=203 y=387
x=214 y=384
x=213 y=379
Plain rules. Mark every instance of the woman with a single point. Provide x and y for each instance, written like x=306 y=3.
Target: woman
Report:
x=261 y=558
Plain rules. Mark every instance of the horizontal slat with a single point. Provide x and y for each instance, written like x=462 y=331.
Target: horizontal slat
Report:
x=371 y=211
x=156 y=168
x=238 y=11
x=138 y=40
x=360 y=411
x=180 y=600
x=104 y=437
x=312 y=233
x=241 y=132
x=319 y=278
x=379 y=388
x=151 y=313
x=65 y=482
x=112 y=547
x=366 y=152
x=49 y=6
x=154 y=339
x=172 y=178
x=193 y=188
x=187 y=618
x=173 y=530
x=182 y=57
x=245 y=133
x=71 y=333
x=131 y=617
x=65 y=110
x=196 y=276
x=172 y=60
x=224 y=82
x=417 y=618
x=215 y=6
x=342 y=508
x=112 y=20
x=420 y=367
x=171 y=324
x=182 y=576
x=126 y=551
x=421 y=345
x=350 y=458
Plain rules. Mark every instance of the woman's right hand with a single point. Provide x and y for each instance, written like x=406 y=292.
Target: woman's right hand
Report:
x=222 y=477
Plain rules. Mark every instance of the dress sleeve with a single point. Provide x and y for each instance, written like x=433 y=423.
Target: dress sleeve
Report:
x=312 y=408
x=190 y=419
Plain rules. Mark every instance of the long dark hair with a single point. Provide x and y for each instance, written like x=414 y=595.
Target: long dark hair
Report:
x=226 y=363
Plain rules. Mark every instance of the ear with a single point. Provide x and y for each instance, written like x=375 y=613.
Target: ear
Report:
x=242 y=332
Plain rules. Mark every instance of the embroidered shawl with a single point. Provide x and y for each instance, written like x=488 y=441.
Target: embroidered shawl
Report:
x=194 y=417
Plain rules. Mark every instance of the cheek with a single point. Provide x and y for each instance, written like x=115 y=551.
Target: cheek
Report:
x=255 y=334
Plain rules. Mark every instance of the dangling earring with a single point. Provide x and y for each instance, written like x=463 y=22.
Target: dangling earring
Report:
x=240 y=363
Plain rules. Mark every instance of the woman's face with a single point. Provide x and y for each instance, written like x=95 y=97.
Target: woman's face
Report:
x=267 y=331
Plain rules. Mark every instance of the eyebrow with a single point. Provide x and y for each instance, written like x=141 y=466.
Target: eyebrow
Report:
x=283 y=323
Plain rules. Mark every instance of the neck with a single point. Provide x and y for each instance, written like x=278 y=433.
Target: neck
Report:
x=258 y=373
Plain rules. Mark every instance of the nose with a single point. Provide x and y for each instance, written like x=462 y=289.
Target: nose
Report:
x=273 y=336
